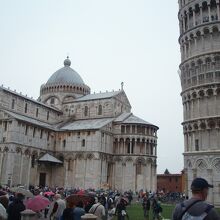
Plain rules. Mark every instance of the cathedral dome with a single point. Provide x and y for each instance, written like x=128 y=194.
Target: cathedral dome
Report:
x=65 y=82
x=65 y=75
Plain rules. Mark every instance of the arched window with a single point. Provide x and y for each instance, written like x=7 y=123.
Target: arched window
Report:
x=69 y=165
x=13 y=104
x=34 y=131
x=26 y=129
x=83 y=143
x=100 y=110
x=41 y=133
x=52 y=101
x=37 y=111
x=64 y=143
x=48 y=114
x=25 y=108
x=32 y=161
x=86 y=111
x=138 y=168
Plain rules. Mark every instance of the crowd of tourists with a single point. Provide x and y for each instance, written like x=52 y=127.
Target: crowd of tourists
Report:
x=63 y=204
x=71 y=204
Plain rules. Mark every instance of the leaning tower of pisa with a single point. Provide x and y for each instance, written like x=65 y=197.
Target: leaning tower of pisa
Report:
x=199 y=40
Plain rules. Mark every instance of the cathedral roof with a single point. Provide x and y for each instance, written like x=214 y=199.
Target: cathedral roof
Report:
x=65 y=75
x=104 y=95
x=129 y=118
x=28 y=119
x=49 y=158
x=122 y=117
x=132 y=119
x=28 y=99
x=87 y=124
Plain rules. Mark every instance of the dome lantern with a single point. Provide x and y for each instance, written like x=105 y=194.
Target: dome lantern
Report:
x=67 y=61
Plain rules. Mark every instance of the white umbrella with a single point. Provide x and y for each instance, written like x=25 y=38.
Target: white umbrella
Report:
x=24 y=192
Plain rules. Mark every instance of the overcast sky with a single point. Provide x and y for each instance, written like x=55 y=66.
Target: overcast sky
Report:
x=108 y=41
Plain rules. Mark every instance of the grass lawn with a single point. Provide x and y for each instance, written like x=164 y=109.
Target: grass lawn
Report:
x=135 y=212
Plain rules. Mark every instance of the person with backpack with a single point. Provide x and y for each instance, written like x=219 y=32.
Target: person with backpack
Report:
x=146 y=206
x=157 y=210
x=196 y=208
x=98 y=209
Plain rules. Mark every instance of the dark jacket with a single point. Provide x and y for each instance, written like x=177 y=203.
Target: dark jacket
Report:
x=119 y=208
x=68 y=214
x=14 y=209
x=146 y=204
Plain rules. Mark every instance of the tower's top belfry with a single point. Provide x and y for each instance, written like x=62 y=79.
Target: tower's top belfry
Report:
x=199 y=39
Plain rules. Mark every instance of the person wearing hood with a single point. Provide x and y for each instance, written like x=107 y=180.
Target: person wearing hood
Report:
x=16 y=207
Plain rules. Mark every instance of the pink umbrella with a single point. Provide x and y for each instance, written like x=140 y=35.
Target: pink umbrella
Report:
x=37 y=203
x=49 y=193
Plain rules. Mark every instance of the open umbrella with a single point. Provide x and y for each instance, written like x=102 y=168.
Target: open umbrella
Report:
x=37 y=203
x=81 y=192
x=75 y=198
x=125 y=199
x=49 y=193
x=23 y=191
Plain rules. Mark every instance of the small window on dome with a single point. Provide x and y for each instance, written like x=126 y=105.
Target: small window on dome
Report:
x=52 y=101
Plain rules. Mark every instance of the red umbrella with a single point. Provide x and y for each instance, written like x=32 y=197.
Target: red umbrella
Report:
x=125 y=199
x=81 y=192
x=49 y=193
x=75 y=198
x=37 y=203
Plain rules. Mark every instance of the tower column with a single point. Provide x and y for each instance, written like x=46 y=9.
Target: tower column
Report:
x=194 y=18
x=29 y=170
x=209 y=11
x=21 y=168
x=184 y=24
x=218 y=12
x=188 y=25
x=201 y=14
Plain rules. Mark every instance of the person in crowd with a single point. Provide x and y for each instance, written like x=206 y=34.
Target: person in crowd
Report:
x=196 y=206
x=121 y=210
x=89 y=204
x=68 y=212
x=16 y=207
x=78 y=211
x=146 y=206
x=111 y=211
x=98 y=209
x=3 y=213
x=130 y=197
x=156 y=208
x=57 y=207
x=46 y=210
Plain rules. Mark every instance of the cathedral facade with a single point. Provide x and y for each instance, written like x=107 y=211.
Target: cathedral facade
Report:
x=72 y=138
x=200 y=79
